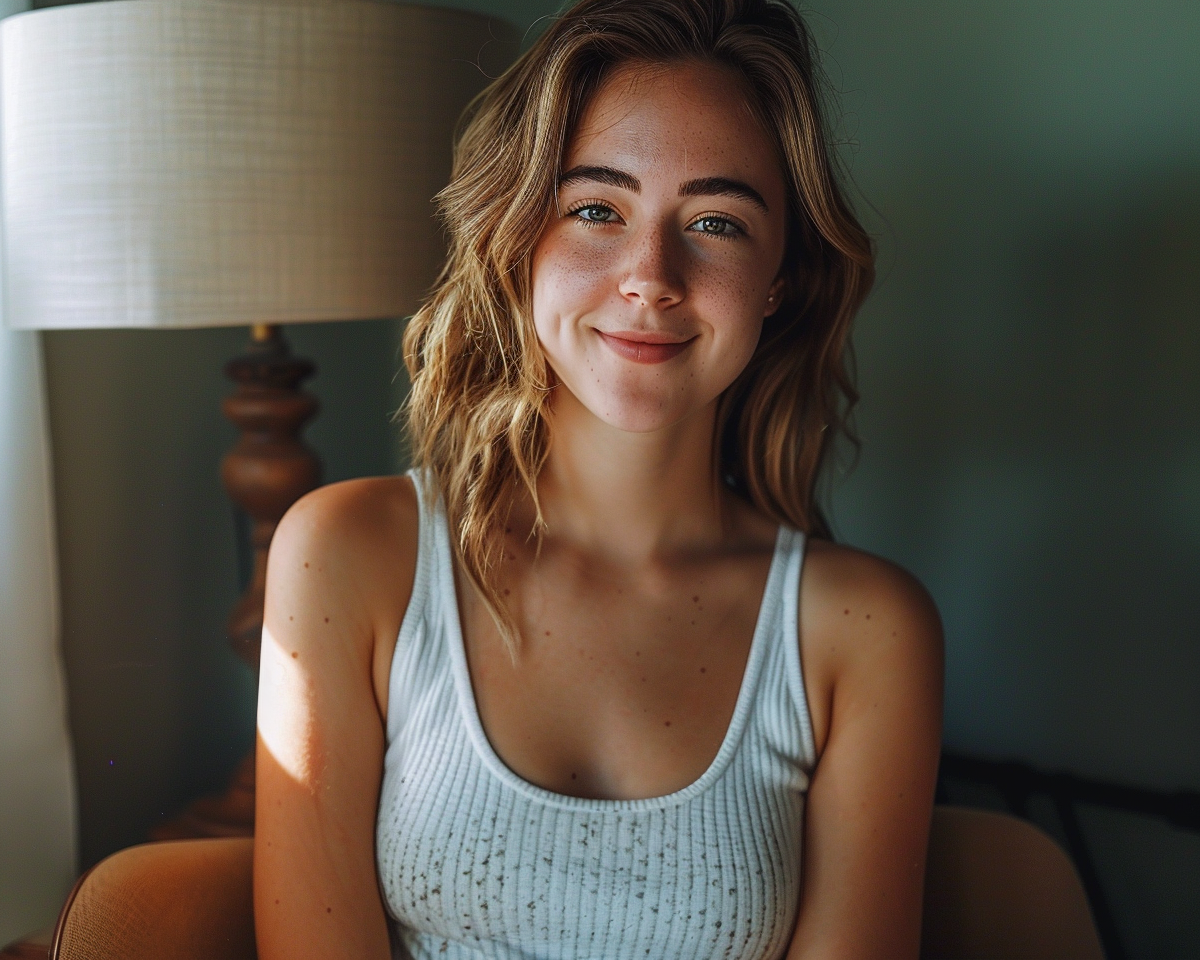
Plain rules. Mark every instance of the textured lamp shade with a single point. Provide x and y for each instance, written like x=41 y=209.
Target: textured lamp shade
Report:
x=193 y=163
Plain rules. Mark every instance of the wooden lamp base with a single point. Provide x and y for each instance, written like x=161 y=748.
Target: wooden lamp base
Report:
x=268 y=469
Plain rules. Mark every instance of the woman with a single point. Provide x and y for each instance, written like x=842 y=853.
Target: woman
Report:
x=582 y=686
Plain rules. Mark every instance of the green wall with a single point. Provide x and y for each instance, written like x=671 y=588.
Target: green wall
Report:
x=1030 y=362
x=1030 y=368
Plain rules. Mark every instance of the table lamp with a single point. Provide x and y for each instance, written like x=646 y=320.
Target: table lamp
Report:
x=198 y=163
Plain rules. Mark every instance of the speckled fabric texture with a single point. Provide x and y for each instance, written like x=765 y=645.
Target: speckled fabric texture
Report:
x=475 y=862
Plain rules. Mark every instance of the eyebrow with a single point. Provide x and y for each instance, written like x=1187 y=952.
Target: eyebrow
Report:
x=701 y=187
x=608 y=175
x=723 y=187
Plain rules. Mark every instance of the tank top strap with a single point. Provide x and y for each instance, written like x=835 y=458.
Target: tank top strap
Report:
x=782 y=711
x=417 y=644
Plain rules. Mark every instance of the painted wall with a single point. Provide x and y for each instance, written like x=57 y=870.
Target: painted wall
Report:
x=1030 y=366
x=38 y=816
x=37 y=783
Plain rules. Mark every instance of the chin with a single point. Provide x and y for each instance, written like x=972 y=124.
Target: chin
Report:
x=642 y=412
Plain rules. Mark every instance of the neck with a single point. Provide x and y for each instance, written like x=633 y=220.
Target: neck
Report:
x=631 y=496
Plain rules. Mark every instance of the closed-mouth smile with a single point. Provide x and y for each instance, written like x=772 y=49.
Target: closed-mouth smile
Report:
x=644 y=346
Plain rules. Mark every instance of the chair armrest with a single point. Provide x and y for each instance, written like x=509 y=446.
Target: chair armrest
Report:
x=174 y=900
x=998 y=888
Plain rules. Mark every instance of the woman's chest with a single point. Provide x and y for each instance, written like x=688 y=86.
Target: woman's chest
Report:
x=621 y=689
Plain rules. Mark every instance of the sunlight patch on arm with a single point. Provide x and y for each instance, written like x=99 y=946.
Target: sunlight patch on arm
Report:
x=286 y=713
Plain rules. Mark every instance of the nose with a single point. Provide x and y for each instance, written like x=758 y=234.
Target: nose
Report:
x=653 y=273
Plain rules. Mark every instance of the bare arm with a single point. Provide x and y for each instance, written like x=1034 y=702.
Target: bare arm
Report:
x=338 y=581
x=873 y=639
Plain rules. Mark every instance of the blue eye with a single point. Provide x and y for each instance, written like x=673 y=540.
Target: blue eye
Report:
x=595 y=213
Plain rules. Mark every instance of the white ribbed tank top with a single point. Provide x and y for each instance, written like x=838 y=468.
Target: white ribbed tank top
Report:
x=476 y=862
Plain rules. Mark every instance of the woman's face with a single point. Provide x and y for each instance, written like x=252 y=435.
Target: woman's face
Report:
x=652 y=279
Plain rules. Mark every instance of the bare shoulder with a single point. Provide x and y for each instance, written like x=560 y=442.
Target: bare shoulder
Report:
x=344 y=555
x=871 y=649
x=339 y=577
x=845 y=589
x=865 y=624
x=350 y=516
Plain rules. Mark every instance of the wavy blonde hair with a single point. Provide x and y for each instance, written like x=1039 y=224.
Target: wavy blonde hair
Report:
x=477 y=413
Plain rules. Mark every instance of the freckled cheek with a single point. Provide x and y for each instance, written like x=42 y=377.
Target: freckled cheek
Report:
x=568 y=281
x=735 y=306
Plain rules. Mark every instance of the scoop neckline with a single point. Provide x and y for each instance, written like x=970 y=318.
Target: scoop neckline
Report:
x=469 y=709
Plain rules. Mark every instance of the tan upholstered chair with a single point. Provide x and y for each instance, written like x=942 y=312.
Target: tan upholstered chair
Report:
x=996 y=888
x=175 y=900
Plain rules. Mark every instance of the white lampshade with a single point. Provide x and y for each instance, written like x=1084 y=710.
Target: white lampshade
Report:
x=193 y=163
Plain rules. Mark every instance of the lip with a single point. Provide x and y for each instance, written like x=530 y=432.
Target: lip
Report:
x=644 y=346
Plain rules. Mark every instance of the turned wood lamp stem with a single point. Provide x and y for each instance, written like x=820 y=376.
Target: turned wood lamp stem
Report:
x=268 y=469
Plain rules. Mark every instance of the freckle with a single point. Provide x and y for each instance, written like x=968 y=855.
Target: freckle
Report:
x=667 y=723
x=329 y=909
x=637 y=653
x=693 y=623
x=868 y=616
x=893 y=633
x=295 y=655
x=508 y=529
x=702 y=670
x=643 y=679
x=326 y=619
x=846 y=611
x=277 y=901
x=507 y=592
x=547 y=633
x=306 y=566
x=291 y=618
x=572 y=776
x=695 y=599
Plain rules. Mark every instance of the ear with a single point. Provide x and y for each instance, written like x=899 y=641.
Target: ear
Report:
x=774 y=297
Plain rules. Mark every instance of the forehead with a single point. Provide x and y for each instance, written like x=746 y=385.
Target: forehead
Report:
x=677 y=121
